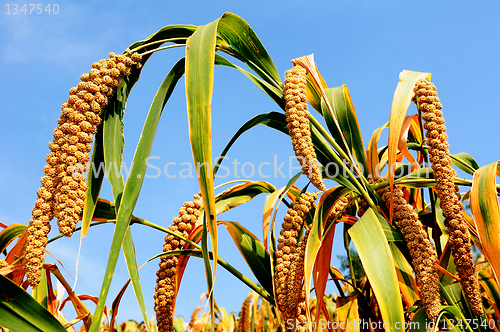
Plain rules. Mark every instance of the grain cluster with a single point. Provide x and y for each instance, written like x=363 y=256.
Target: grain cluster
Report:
x=63 y=186
x=289 y=268
x=423 y=254
x=449 y=197
x=297 y=117
x=165 y=291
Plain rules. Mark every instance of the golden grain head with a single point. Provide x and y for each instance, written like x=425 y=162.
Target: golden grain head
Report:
x=424 y=256
x=71 y=145
x=298 y=124
x=431 y=108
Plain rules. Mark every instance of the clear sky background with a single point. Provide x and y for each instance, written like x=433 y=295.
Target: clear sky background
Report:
x=364 y=44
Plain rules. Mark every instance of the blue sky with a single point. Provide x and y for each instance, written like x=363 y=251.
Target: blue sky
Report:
x=362 y=44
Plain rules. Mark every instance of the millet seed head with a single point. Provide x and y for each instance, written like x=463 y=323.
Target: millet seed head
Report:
x=164 y=291
x=298 y=124
x=429 y=105
x=75 y=126
x=424 y=256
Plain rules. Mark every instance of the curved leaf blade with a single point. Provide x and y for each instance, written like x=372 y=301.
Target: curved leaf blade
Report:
x=241 y=194
x=343 y=108
x=407 y=282
x=400 y=103
x=372 y=159
x=242 y=39
x=465 y=162
x=94 y=181
x=19 y=312
x=272 y=91
x=254 y=253
x=375 y=254
x=200 y=57
x=486 y=212
x=9 y=234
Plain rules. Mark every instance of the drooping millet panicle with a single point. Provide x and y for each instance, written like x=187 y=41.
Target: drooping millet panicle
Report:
x=339 y=206
x=287 y=243
x=3 y=263
x=297 y=117
x=63 y=188
x=423 y=254
x=296 y=293
x=77 y=125
x=244 y=323
x=296 y=301
x=439 y=156
x=165 y=283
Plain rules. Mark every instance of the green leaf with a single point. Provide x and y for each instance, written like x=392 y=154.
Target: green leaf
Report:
x=19 y=312
x=241 y=194
x=455 y=314
x=247 y=47
x=113 y=140
x=105 y=210
x=390 y=232
x=272 y=91
x=200 y=58
x=341 y=103
x=407 y=283
x=272 y=119
x=375 y=254
x=486 y=212
x=253 y=252
x=94 y=181
x=9 y=234
x=465 y=162
x=177 y=33
x=134 y=182
x=41 y=292
x=454 y=292
x=419 y=322
x=179 y=324
x=419 y=178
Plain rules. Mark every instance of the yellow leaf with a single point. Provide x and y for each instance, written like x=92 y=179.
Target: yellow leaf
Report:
x=486 y=212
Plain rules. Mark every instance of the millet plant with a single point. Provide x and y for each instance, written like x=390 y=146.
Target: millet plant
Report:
x=412 y=235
